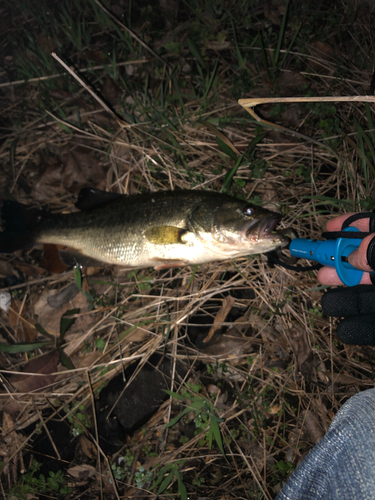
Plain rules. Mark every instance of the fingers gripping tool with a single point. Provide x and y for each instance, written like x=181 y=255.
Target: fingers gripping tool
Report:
x=335 y=251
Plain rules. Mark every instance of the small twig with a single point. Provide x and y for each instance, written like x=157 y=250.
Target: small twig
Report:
x=96 y=432
x=251 y=102
x=81 y=70
x=47 y=431
x=84 y=84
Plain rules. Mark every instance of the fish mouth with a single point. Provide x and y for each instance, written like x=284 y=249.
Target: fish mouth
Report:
x=266 y=228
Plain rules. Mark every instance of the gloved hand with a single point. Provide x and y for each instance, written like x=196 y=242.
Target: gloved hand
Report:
x=356 y=304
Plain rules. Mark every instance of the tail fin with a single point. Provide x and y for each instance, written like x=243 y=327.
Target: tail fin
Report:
x=20 y=225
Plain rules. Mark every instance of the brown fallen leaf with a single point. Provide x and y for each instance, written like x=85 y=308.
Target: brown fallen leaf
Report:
x=323 y=55
x=216 y=45
x=29 y=269
x=21 y=323
x=297 y=336
x=52 y=260
x=82 y=169
x=223 y=312
x=49 y=183
x=82 y=471
x=111 y=92
x=345 y=379
x=231 y=343
x=6 y=269
x=86 y=359
x=45 y=364
x=290 y=83
x=312 y=427
x=11 y=442
x=88 y=447
x=49 y=316
x=274 y=11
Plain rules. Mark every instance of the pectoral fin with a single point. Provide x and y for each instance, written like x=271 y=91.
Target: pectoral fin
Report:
x=166 y=235
x=168 y=263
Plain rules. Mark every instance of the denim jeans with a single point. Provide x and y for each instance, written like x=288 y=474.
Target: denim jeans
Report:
x=342 y=465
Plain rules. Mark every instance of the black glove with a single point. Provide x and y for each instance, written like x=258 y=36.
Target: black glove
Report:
x=357 y=305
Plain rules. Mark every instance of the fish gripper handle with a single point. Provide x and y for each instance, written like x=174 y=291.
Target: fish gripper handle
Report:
x=332 y=253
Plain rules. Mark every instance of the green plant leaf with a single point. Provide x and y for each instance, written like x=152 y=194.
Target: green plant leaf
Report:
x=175 y=395
x=217 y=435
x=181 y=487
x=44 y=332
x=77 y=276
x=194 y=49
x=226 y=149
x=23 y=346
x=167 y=481
x=65 y=360
x=66 y=321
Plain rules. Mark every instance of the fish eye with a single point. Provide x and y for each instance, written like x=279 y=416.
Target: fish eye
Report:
x=249 y=211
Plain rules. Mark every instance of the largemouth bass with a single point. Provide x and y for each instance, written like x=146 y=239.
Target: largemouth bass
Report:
x=160 y=230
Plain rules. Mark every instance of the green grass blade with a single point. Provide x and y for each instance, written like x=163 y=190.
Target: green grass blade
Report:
x=210 y=81
x=66 y=322
x=226 y=149
x=264 y=56
x=23 y=347
x=276 y=54
x=194 y=49
x=290 y=46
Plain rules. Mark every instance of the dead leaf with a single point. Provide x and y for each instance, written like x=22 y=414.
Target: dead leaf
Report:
x=291 y=117
x=111 y=92
x=231 y=343
x=66 y=295
x=290 y=83
x=82 y=169
x=83 y=360
x=11 y=442
x=45 y=364
x=269 y=194
x=49 y=183
x=49 y=317
x=312 y=427
x=29 y=269
x=324 y=53
x=297 y=336
x=6 y=269
x=52 y=260
x=87 y=446
x=275 y=409
x=83 y=471
x=274 y=11
x=216 y=45
x=21 y=323
x=220 y=317
x=345 y=379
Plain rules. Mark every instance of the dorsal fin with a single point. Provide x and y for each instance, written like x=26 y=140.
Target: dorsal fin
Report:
x=91 y=198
